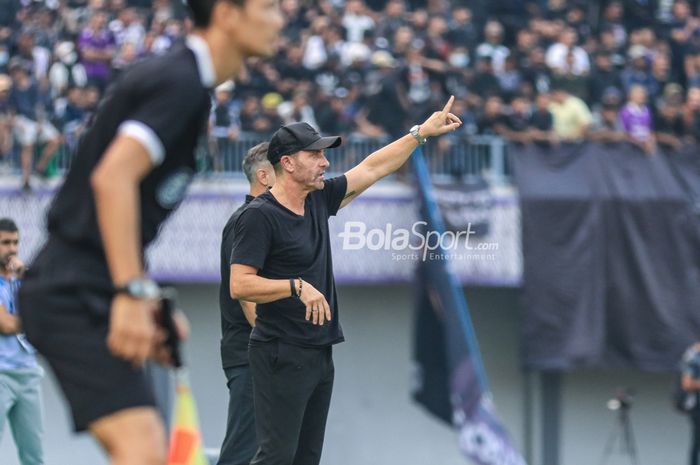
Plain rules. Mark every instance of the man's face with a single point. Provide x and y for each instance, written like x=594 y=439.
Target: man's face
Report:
x=256 y=27
x=9 y=244
x=309 y=168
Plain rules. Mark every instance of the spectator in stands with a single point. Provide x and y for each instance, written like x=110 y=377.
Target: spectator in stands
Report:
x=485 y=83
x=270 y=119
x=298 y=109
x=356 y=21
x=128 y=28
x=492 y=121
x=66 y=72
x=384 y=112
x=571 y=116
x=603 y=77
x=462 y=30
x=661 y=73
x=668 y=121
x=493 y=46
x=415 y=78
x=332 y=115
x=683 y=28
x=97 y=49
x=224 y=125
x=638 y=71
x=393 y=19
x=576 y=84
x=436 y=45
x=613 y=22
x=517 y=120
x=637 y=121
x=36 y=57
x=510 y=79
x=251 y=117
x=537 y=73
x=609 y=46
x=607 y=127
x=5 y=116
x=541 y=124
x=31 y=125
x=556 y=58
x=691 y=113
x=72 y=116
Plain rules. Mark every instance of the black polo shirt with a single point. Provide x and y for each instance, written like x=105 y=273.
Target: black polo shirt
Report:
x=162 y=102
x=281 y=244
x=235 y=329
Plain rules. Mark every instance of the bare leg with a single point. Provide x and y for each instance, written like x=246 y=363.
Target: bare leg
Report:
x=27 y=156
x=133 y=436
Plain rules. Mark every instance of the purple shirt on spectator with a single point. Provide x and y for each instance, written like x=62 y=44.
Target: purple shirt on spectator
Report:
x=101 y=40
x=636 y=121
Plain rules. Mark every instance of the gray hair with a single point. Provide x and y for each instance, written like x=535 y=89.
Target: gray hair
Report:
x=253 y=159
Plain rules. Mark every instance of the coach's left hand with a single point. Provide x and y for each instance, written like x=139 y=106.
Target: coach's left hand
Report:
x=440 y=122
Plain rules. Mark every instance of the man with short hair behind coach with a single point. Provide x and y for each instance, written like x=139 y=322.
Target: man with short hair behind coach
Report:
x=237 y=321
x=281 y=260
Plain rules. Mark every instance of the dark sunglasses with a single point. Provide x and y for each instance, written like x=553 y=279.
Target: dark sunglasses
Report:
x=9 y=242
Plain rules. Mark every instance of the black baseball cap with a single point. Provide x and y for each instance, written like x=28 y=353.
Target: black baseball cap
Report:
x=294 y=137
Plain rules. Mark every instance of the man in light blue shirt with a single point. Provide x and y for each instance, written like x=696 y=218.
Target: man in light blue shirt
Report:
x=20 y=375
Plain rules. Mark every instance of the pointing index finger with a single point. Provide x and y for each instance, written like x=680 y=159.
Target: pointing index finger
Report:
x=448 y=105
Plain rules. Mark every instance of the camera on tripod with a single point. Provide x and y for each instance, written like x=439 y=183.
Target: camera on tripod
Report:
x=623 y=400
x=621 y=433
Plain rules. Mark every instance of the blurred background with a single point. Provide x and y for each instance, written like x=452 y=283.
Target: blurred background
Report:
x=576 y=171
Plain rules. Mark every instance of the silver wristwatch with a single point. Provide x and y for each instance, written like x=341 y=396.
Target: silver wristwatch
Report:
x=140 y=288
x=415 y=132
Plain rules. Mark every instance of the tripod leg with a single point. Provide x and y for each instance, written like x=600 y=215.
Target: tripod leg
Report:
x=610 y=444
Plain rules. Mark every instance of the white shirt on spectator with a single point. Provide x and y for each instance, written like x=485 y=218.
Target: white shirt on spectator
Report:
x=356 y=25
x=556 y=59
x=315 y=53
x=497 y=52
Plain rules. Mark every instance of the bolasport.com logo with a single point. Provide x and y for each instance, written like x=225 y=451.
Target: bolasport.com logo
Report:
x=418 y=242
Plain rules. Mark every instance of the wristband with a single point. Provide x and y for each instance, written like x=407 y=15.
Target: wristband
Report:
x=300 y=286
x=293 y=287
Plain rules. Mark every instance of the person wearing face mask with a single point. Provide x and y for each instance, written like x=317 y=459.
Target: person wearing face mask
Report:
x=20 y=375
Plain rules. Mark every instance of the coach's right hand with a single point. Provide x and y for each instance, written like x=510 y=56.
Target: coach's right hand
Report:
x=132 y=328
x=317 y=308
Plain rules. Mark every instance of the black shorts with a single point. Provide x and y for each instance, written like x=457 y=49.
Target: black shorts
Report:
x=67 y=321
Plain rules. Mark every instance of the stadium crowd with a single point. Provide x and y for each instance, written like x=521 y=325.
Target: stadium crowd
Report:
x=543 y=71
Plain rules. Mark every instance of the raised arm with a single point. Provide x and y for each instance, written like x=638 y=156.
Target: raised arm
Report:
x=391 y=157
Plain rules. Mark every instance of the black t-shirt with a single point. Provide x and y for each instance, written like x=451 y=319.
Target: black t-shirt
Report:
x=164 y=103
x=283 y=245
x=542 y=120
x=235 y=329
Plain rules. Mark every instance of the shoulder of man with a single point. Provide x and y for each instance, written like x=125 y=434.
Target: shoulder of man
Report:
x=170 y=70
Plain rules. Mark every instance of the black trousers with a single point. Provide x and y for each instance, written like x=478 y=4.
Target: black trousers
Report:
x=695 y=438
x=239 y=443
x=292 y=391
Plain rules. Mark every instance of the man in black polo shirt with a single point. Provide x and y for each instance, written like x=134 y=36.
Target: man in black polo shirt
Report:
x=281 y=260
x=237 y=320
x=87 y=304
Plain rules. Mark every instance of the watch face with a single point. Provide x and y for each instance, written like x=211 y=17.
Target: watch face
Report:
x=143 y=289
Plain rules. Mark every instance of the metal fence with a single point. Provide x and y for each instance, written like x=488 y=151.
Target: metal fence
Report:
x=473 y=157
